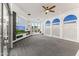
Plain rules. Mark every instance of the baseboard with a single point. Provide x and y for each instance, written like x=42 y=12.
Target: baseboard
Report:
x=47 y=35
x=63 y=38
x=77 y=53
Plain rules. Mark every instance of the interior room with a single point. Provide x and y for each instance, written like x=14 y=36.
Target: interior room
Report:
x=39 y=29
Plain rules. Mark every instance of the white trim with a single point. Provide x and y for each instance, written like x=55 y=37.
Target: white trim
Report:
x=67 y=39
x=62 y=38
x=47 y=35
x=77 y=53
x=21 y=38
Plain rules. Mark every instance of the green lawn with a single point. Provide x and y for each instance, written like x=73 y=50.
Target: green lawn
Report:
x=20 y=31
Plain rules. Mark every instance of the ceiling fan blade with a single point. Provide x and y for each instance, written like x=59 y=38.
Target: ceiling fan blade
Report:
x=52 y=7
x=44 y=7
x=52 y=11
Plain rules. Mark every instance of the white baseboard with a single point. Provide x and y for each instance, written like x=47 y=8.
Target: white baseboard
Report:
x=47 y=35
x=75 y=40
x=77 y=53
x=21 y=38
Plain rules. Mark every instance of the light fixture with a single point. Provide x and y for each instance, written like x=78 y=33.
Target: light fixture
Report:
x=47 y=11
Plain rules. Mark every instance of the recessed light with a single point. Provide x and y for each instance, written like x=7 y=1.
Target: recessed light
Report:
x=28 y=14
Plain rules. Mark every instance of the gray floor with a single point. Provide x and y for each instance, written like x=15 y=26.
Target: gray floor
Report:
x=39 y=45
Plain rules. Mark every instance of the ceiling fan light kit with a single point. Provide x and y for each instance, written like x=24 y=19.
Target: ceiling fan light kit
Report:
x=47 y=9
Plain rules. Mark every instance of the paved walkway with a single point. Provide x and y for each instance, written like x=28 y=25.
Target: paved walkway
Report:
x=39 y=45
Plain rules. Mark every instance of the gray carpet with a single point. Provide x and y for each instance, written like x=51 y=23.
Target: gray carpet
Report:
x=39 y=45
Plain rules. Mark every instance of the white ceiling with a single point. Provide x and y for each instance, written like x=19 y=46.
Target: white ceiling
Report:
x=37 y=12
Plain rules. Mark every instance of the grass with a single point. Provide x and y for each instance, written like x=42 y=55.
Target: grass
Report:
x=20 y=31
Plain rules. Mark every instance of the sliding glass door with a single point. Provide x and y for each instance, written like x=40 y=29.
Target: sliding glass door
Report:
x=5 y=29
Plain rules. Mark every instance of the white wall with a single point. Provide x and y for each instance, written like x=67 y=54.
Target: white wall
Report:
x=56 y=30
x=47 y=30
x=20 y=13
x=67 y=31
x=70 y=31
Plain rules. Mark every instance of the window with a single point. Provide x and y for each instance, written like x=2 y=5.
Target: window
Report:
x=70 y=19
x=48 y=23
x=56 y=21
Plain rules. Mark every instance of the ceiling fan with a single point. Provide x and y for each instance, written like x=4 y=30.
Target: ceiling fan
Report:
x=48 y=9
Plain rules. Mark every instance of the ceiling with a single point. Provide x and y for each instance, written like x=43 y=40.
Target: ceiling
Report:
x=37 y=12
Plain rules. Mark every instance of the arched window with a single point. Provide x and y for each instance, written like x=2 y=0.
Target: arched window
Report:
x=56 y=21
x=48 y=23
x=70 y=19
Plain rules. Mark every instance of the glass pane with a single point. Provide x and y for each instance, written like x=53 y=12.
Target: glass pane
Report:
x=5 y=28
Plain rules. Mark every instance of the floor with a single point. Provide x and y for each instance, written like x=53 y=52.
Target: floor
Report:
x=39 y=45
